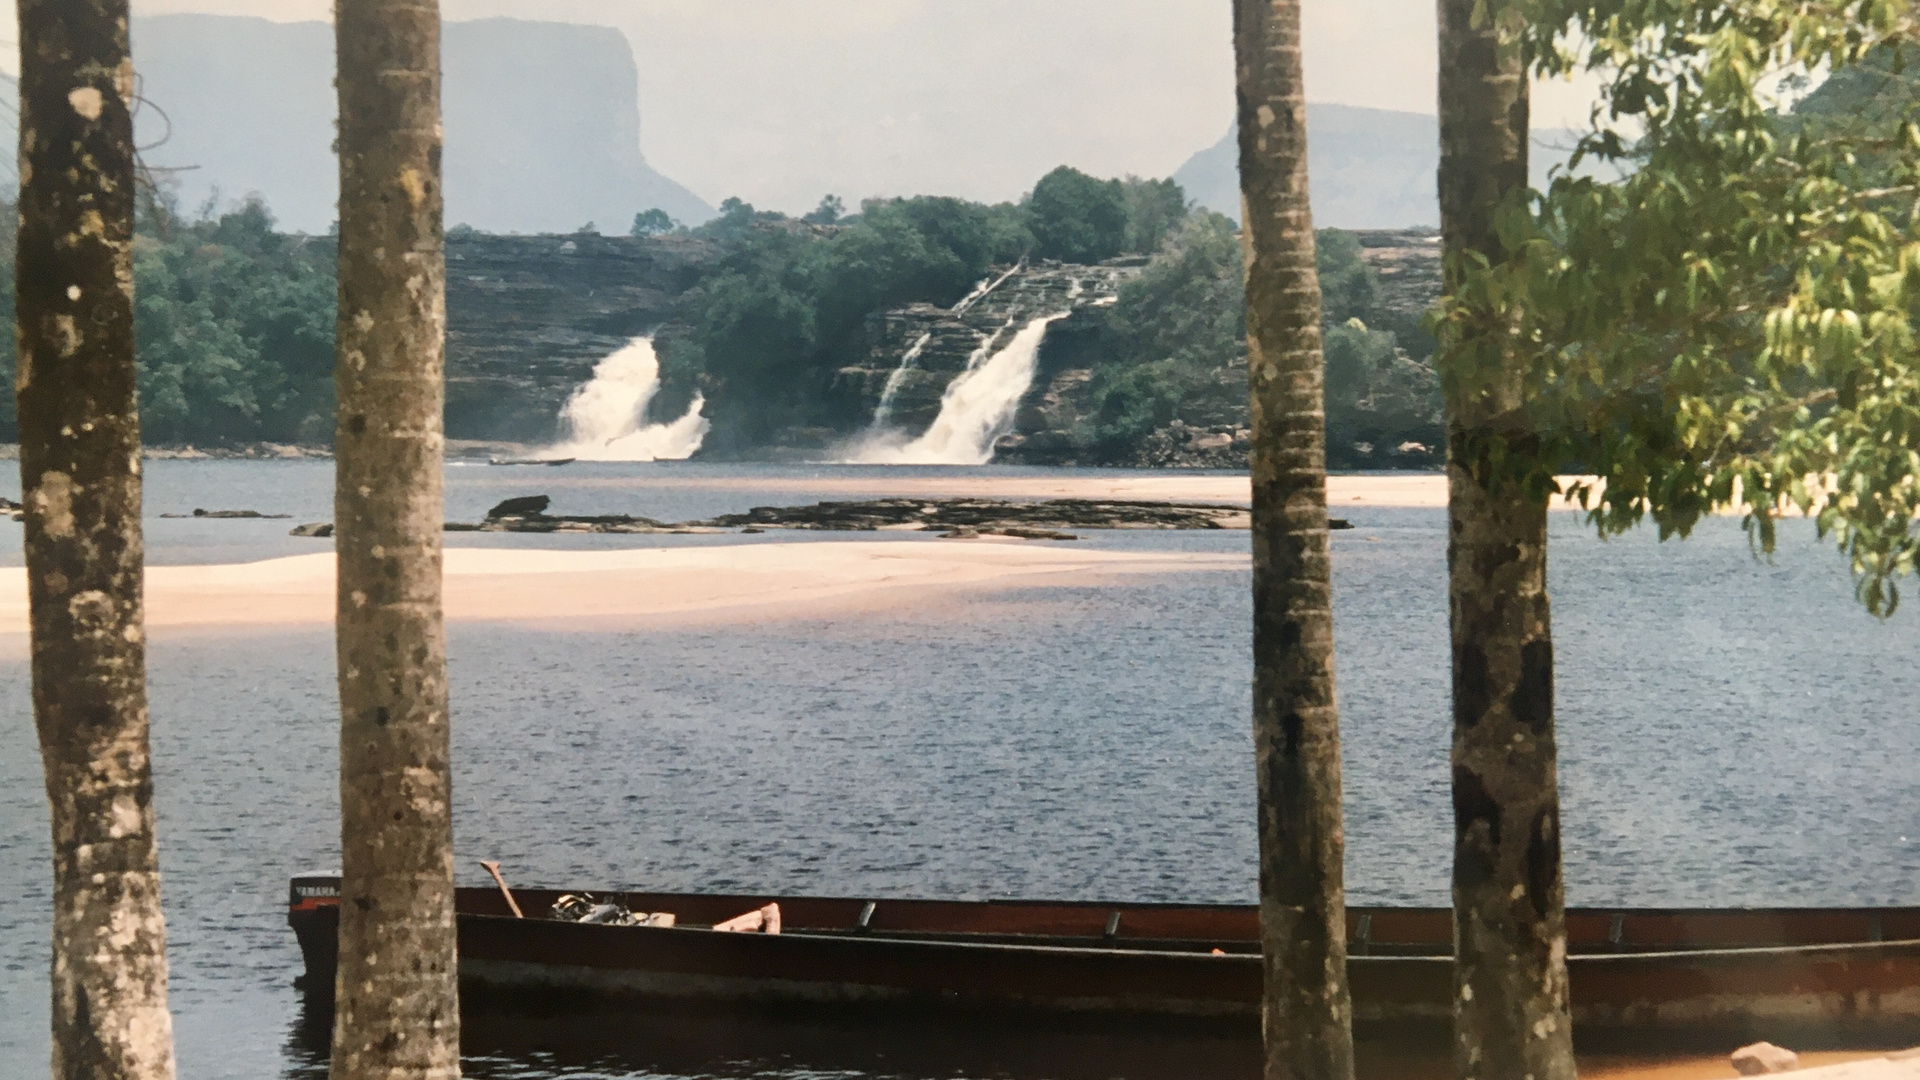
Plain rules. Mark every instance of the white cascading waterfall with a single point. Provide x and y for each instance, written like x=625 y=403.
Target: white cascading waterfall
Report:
x=977 y=408
x=986 y=287
x=883 y=412
x=606 y=418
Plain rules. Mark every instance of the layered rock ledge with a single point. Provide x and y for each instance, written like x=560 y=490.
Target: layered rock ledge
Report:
x=956 y=518
x=984 y=515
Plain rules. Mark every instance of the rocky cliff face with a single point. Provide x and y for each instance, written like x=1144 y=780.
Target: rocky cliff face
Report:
x=1408 y=263
x=528 y=317
x=542 y=121
x=918 y=350
x=1215 y=434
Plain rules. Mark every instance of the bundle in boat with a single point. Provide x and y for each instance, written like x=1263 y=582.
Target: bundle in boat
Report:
x=583 y=908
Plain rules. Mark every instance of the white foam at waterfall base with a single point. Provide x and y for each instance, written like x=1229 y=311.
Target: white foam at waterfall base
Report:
x=976 y=410
x=606 y=418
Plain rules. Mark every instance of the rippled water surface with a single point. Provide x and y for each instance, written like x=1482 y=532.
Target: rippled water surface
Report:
x=1732 y=732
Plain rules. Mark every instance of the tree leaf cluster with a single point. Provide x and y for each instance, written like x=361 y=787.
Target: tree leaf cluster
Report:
x=1730 y=323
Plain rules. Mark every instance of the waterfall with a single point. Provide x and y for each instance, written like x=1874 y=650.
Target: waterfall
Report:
x=606 y=418
x=987 y=285
x=884 y=411
x=977 y=408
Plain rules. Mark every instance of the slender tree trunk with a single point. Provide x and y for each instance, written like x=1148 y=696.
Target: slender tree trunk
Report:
x=1306 y=1014
x=396 y=1002
x=1510 y=974
x=80 y=471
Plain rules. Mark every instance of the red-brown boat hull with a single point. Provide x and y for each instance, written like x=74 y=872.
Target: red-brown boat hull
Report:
x=1816 y=976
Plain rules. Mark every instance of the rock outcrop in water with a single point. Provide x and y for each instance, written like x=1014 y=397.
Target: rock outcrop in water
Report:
x=227 y=514
x=986 y=515
x=957 y=517
x=537 y=522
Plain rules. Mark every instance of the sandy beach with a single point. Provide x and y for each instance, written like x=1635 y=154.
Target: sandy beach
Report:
x=718 y=582
x=738 y=581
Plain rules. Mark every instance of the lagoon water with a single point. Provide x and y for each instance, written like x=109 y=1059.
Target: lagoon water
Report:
x=1733 y=732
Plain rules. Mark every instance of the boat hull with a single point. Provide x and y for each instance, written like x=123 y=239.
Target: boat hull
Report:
x=981 y=958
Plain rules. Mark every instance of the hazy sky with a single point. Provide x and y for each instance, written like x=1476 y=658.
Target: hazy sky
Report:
x=781 y=101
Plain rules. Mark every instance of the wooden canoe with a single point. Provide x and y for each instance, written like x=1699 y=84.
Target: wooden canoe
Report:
x=1805 y=975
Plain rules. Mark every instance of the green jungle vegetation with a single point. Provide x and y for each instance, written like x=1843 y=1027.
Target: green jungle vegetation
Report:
x=1174 y=348
x=234 y=319
x=787 y=306
x=234 y=329
x=764 y=334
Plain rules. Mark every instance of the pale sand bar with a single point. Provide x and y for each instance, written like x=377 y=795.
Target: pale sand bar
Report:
x=739 y=582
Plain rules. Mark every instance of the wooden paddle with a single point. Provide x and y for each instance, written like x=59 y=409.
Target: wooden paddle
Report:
x=494 y=869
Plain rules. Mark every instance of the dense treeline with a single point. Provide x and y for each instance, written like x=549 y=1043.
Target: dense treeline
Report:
x=234 y=319
x=233 y=323
x=1175 y=349
x=766 y=330
x=788 y=304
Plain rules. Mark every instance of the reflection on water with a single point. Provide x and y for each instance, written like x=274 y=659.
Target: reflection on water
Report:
x=1732 y=732
x=524 y=1044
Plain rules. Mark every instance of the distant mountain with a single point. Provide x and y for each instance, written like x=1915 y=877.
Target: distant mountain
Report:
x=1368 y=168
x=542 y=121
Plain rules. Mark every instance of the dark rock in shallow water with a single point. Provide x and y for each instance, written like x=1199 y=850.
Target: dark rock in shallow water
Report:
x=983 y=515
x=952 y=518
x=227 y=514
x=523 y=506
x=603 y=523
x=968 y=533
x=312 y=528
x=528 y=514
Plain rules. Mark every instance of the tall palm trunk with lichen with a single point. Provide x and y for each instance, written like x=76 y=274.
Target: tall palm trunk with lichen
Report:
x=1510 y=976
x=396 y=1007
x=1306 y=1014
x=80 y=473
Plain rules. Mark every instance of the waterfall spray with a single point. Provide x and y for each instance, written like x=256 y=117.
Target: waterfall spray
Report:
x=606 y=418
x=976 y=410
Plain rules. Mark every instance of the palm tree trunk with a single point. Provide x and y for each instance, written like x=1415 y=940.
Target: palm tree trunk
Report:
x=1306 y=1014
x=80 y=471
x=1510 y=973
x=396 y=1001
